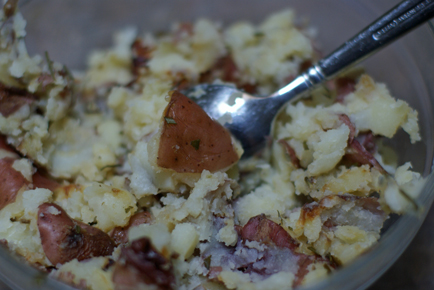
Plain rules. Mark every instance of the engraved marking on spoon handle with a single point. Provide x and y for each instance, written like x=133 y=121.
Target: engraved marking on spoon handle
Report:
x=408 y=15
x=393 y=24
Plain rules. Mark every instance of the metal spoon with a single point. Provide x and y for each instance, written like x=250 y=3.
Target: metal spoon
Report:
x=250 y=118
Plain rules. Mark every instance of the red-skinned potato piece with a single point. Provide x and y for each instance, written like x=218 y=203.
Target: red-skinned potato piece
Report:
x=64 y=239
x=12 y=99
x=10 y=7
x=41 y=180
x=346 y=120
x=357 y=153
x=11 y=182
x=344 y=86
x=191 y=141
x=4 y=144
x=291 y=153
x=141 y=56
x=360 y=152
x=303 y=267
x=120 y=234
x=265 y=231
x=141 y=263
x=226 y=70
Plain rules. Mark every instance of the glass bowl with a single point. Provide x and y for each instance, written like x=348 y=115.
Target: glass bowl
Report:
x=70 y=29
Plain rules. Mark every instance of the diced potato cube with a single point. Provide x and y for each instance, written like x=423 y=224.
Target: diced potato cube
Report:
x=184 y=239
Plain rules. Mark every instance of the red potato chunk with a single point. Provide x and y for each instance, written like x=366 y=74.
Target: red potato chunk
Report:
x=141 y=56
x=120 y=234
x=291 y=153
x=346 y=120
x=10 y=7
x=278 y=252
x=360 y=151
x=356 y=152
x=184 y=30
x=263 y=230
x=344 y=86
x=141 y=263
x=4 y=144
x=191 y=141
x=11 y=182
x=226 y=70
x=304 y=263
x=64 y=239
x=12 y=99
x=41 y=180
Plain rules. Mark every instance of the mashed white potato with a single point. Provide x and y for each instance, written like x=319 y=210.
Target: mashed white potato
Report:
x=85 y=192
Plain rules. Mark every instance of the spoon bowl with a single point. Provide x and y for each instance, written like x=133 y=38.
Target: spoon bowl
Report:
x=238 y=111
x=250 y=118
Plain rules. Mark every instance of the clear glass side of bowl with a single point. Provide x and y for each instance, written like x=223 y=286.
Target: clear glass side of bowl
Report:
x=70 y=29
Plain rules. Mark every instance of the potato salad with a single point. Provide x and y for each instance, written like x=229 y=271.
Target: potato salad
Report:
x=112 y=178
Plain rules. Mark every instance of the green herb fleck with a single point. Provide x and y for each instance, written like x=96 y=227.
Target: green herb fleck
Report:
x=68 y=73
x=312 y=249
x=280 y=217
x=110 y=166
x=50 y=64
x=207 y=262
x=310 y=181
x=77 y=229
x=93 y=223
x=169 y=120
x=259 y=34
x=328 y=268
x=195 y=144
x=332 y=259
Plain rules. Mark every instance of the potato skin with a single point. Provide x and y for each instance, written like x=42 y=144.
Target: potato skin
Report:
x=11 y=182
x=4 y=145
x=265 y=231
x=191 y=141
x=41 y=180
x=141 y=264
x=120 y=234
x=64 y=239
x=260 y=229
x=12 y=99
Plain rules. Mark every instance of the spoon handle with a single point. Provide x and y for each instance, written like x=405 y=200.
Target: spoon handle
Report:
x=393 y=24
